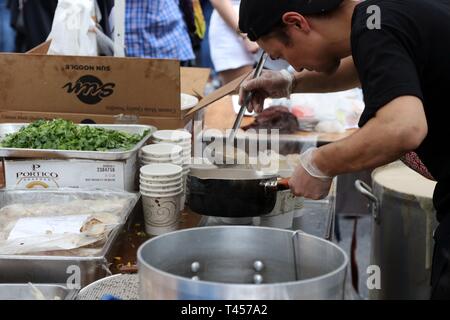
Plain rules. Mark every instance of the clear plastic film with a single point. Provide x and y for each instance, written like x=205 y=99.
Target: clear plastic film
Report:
x=51 y=212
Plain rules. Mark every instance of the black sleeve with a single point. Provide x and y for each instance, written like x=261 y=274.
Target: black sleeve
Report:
x=385 y=67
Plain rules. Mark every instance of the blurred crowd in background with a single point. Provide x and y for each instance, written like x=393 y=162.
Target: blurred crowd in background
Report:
x=200 y=33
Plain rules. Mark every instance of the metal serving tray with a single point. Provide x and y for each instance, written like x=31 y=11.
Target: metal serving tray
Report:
x=8 y=128
x=19 y=291
x=58 y=269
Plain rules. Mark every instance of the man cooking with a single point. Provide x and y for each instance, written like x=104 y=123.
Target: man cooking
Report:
x=398 y=51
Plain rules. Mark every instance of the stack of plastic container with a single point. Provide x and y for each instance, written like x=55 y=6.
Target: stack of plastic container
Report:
x=182 y=139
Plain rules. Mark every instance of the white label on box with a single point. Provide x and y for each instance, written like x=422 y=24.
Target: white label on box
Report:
x=30 y=174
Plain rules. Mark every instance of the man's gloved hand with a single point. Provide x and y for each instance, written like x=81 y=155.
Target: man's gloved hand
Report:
x=273 y=84
x=309 y=181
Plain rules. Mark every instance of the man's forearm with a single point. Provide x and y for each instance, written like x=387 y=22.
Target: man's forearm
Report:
x=345 y=78
x=398 y=128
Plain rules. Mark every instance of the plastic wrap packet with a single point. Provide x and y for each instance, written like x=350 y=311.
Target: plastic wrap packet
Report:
x=65 y=219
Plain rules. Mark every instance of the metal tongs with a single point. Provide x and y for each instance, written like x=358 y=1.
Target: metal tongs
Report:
x=248 y=97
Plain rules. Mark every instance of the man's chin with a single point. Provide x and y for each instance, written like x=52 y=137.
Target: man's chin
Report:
x=332 y=68
x=329 y=70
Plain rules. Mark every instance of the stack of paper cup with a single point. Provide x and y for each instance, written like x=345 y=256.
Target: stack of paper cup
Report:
x=161 y=186
x=161 y=153
x=180 y=138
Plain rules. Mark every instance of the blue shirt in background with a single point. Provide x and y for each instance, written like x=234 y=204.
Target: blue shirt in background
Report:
x=156 y=29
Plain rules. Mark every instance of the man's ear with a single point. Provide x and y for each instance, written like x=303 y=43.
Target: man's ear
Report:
x=297 y=20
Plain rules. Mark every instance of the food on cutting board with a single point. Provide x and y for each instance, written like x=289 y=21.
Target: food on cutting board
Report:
x=275 y=117
x=270 y=160
x=329 y=126
x=61 y=134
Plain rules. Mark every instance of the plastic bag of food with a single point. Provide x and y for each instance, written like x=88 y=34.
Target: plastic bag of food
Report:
x=73 y=29
x=63 y=220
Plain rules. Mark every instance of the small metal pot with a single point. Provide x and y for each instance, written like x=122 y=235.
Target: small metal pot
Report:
x=233 y=193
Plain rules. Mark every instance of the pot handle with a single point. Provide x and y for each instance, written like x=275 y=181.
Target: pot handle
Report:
x=283 y=184
x=278 y=184
x=366 y=191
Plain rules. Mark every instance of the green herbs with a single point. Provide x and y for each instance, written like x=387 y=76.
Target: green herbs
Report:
x=65 y=135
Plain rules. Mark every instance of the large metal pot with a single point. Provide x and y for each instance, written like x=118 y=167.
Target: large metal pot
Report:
x=237 y=262
x=402 y=231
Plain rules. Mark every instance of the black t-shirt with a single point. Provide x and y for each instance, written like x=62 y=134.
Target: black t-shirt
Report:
x=409 y=55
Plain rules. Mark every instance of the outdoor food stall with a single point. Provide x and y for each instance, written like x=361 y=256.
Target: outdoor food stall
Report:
x=80 y=203
x=121 y=179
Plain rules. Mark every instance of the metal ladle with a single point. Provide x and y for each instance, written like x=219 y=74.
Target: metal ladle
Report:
x=248 y=97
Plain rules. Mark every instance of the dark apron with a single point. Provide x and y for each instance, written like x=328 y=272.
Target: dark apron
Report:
x=440 y=274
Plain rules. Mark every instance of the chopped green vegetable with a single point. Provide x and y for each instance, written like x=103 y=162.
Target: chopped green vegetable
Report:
x=61 y=134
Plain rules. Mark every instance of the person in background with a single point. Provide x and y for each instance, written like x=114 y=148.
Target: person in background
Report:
x=32 y=20
x=156 y=29
x=196 y=25
x=232 y=54
x=6 y=33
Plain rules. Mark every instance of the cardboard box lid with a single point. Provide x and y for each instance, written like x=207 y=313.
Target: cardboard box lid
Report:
x=41 y=49
x=194 y=80
x=219 y=93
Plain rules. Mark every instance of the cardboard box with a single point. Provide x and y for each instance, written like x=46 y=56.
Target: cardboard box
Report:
x=91 y=85
x=74 y=173
x=158 y=122
x=35 y=84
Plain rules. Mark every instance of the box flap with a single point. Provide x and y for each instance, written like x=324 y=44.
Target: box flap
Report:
x=219 y=93
x=40 y=49
x=194 y=80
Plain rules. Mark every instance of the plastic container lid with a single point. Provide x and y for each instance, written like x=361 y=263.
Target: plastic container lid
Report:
x=161 y=169
x=172 y=135
x=188 y=101
x=161 y=150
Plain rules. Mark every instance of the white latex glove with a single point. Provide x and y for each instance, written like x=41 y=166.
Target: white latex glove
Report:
x=273 y=84
x=310 y=167
x=308 y=181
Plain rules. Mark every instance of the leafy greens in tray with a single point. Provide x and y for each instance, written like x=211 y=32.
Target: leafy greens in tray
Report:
x=61 y=134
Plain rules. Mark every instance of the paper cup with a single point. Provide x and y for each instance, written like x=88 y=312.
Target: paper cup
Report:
x=161 y=214
x=159 y=184
x=163 y=171
x=160 y=194
x=161 y=189
x=161 y=150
